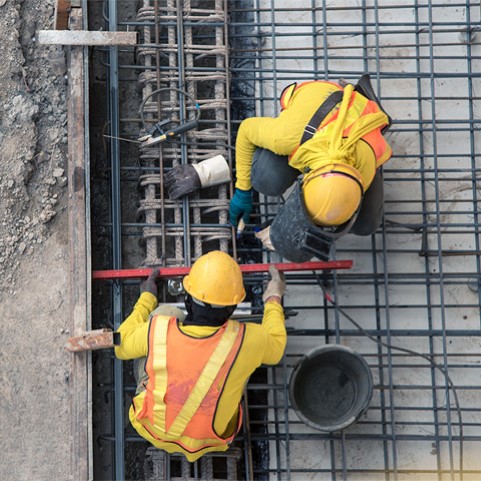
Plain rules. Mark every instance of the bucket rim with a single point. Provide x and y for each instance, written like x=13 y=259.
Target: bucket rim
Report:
x=314 y=353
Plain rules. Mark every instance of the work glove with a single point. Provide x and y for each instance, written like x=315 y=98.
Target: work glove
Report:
x=240 y=206
x=150 y=285
x=264 y=236
x=184 y=179
x=276 y=286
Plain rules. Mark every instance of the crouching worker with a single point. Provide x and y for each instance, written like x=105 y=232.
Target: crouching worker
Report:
x=329 y=140
x=191 y=369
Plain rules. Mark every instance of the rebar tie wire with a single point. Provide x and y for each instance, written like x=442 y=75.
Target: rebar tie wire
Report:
x=433 y=364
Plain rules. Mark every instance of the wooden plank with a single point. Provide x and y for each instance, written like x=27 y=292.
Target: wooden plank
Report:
x=79 y=273
x=86 y=38
x=62 y=11
x=93 y=340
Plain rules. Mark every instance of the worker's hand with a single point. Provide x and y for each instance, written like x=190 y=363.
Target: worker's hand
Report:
x=264 y=236
x=185 y=179
x=240 y=206
x=276 y=286
x=182 y=180
x=150 y=285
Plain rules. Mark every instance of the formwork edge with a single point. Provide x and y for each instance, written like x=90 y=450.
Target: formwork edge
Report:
x=79 y=279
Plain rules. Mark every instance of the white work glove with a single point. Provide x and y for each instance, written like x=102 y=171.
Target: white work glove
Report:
x=276 y=286
x=184 y=179
x=264 y=236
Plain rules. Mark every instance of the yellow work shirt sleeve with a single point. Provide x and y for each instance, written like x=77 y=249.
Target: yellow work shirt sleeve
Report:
x=264 y=132
x=273 y=324
x=134 y=331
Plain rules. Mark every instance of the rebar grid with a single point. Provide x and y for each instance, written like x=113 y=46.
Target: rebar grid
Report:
x=159 y=466
x=213 y=467
x=415 y=283
x=183 y=56
x=183 y=49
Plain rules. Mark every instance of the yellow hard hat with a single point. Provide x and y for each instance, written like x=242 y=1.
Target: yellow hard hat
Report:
x=332 y=194
x=216 y=278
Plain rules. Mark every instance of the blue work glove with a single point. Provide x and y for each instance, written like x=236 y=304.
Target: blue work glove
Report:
x=240 y=206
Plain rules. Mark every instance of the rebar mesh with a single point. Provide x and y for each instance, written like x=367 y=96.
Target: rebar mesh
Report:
x=415 y=283
x=159 y=465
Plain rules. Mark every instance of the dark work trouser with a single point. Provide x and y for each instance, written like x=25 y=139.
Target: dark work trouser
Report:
x=272 y=175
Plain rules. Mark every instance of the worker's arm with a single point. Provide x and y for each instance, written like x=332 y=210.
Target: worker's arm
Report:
x=273 y=324
x=135 y=329
x=263 y=344
x=263 y=132
x=273 y=319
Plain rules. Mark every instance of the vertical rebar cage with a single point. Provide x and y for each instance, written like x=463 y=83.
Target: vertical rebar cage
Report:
x=415 y=283
x=183 y=50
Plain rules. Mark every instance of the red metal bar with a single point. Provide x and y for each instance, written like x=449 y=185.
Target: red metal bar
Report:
x=245 y=268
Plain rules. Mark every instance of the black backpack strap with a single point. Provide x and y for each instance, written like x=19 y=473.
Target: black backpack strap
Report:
x=320 y=114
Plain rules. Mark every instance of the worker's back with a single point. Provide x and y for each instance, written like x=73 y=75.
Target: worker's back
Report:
x=181 y=355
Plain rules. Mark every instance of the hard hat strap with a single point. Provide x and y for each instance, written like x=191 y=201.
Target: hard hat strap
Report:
x=313 y=175
x=351 y=177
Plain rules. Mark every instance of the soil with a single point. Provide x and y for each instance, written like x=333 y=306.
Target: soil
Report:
x=34 y=259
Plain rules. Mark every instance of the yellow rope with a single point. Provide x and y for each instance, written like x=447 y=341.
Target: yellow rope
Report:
x=339 y=149
x=335 y=144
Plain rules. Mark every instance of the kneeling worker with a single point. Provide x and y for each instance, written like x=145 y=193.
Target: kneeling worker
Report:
x=191 y=370
x=333 y=137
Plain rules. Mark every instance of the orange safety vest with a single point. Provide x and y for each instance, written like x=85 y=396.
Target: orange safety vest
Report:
x=186 y=379
x=359 y=106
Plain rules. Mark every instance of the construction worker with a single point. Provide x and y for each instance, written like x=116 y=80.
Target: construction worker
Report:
x=333 y=136
x=191 y=369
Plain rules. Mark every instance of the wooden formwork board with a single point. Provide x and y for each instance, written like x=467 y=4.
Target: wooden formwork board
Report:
x=86 y=38
x=62 y=12
x=79 y=281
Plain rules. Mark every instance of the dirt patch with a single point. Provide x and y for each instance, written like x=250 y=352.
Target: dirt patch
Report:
x=33 y=135
x=34 y=398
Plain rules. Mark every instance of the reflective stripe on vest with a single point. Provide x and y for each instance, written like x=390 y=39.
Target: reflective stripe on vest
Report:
x=177 y=405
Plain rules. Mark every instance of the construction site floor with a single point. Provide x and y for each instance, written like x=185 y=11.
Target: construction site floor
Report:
x=35 y=392
x=414 y=285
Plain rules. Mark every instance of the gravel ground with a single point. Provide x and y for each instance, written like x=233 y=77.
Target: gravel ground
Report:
x=34 y=395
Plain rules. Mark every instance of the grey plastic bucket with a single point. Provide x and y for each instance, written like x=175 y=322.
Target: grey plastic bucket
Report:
x=330 y=388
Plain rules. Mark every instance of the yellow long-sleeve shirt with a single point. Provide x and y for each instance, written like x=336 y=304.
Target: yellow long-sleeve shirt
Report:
x=282 y=135
x=263 y=344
